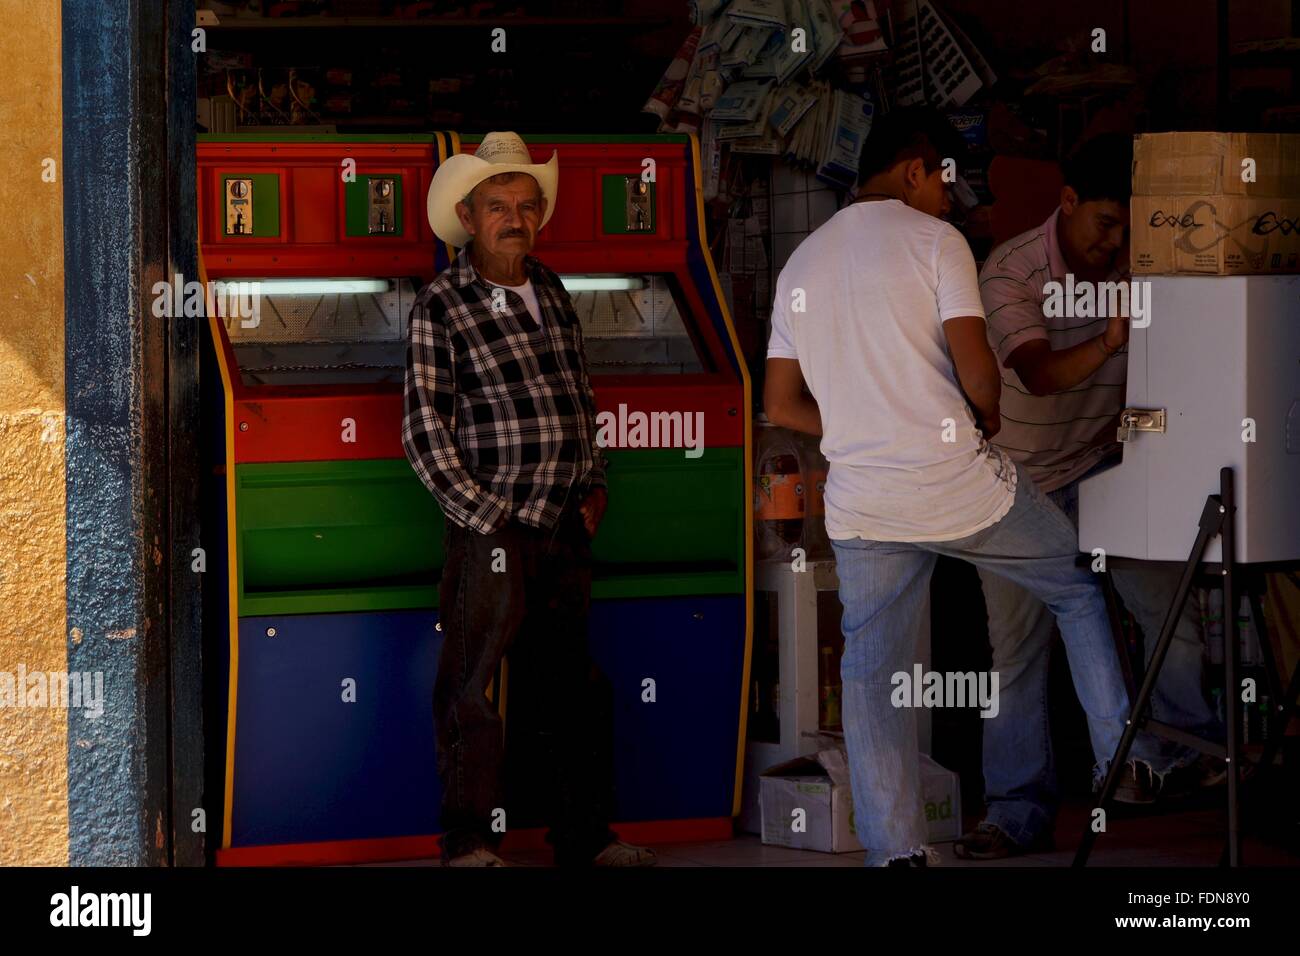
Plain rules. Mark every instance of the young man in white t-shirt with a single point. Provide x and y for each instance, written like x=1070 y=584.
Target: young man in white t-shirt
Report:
x=879 y=313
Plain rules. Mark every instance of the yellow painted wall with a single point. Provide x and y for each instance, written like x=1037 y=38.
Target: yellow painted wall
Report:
x=33 y=609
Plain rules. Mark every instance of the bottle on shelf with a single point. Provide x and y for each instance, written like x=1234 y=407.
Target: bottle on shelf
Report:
x=1214 y=625
x=775 y=705
x=779 y=492
x=828 y=711
x=816 y=544
x=1247 y=634
x=1216 y=703
x=764 y=708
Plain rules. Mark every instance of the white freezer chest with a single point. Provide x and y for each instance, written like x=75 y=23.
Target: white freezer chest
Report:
x=1218 y=351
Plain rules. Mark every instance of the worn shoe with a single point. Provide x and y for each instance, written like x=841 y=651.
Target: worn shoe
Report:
x=1206 y=771
x=479 y=857
x=619 y=853
x=1137 y=785
x=987 y=841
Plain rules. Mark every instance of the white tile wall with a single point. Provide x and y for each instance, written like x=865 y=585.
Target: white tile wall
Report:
x=800 y=203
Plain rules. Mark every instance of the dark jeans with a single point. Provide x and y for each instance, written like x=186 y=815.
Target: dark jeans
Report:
x=531 y=599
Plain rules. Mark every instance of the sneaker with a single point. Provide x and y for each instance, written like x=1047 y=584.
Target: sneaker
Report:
x=988 y=841
x=479 y=857
x=619 y=853
x=1207 y=771
x=1137 y=785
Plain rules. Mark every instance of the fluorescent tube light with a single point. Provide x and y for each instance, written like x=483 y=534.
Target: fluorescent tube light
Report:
x=602 y=283
x=313 y=286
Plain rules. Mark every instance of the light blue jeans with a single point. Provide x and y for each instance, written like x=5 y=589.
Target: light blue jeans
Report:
x=1020 y=785
x=883 y=587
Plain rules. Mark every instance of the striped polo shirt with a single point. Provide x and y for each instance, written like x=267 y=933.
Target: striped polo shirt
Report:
x=1057 y=437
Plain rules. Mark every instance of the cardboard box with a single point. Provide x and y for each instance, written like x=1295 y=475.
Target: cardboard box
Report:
x=1193 y=213
x=1214 y=235
x=819 y=786
x=1210 y=164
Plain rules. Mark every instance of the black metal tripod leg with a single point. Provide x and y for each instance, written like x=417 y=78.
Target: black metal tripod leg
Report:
x=1231 y=692
x=1211 y=520
x=1112 y=779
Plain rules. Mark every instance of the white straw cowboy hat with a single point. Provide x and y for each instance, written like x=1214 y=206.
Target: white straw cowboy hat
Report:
x=497 y=153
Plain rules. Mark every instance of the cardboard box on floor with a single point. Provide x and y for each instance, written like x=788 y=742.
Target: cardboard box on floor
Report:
x=1193 y=213
x=819 y=786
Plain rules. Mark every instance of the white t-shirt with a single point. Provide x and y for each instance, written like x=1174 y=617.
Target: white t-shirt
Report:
x=528 y=294
x=879 y=280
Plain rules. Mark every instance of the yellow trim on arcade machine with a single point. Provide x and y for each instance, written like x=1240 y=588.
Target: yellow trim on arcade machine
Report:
x=232 y=560
x=749 y=478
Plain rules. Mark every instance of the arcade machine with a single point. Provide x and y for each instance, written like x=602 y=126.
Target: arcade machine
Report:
x=331 y=550
x=333 y=546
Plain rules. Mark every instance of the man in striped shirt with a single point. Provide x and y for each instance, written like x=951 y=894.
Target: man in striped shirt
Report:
x=1063 y=387
x=500 y=426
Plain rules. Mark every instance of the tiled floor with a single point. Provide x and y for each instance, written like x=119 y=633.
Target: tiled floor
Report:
x=1191 y=838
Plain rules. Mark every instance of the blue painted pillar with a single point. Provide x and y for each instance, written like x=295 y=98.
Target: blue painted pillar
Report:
x=116 y=454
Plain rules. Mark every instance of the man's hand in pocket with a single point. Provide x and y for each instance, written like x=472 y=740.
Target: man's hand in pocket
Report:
x=593 y=509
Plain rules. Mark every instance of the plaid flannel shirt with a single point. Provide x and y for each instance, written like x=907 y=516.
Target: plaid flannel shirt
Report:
x=500 y=418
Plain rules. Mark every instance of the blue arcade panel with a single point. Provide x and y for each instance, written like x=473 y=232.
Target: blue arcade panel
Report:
x=311 y=766
x=674 y=759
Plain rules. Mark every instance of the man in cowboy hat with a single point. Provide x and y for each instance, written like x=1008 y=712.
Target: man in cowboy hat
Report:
x=500 y=426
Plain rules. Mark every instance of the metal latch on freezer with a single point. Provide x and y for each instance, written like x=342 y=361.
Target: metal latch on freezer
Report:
x=1133 y=420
